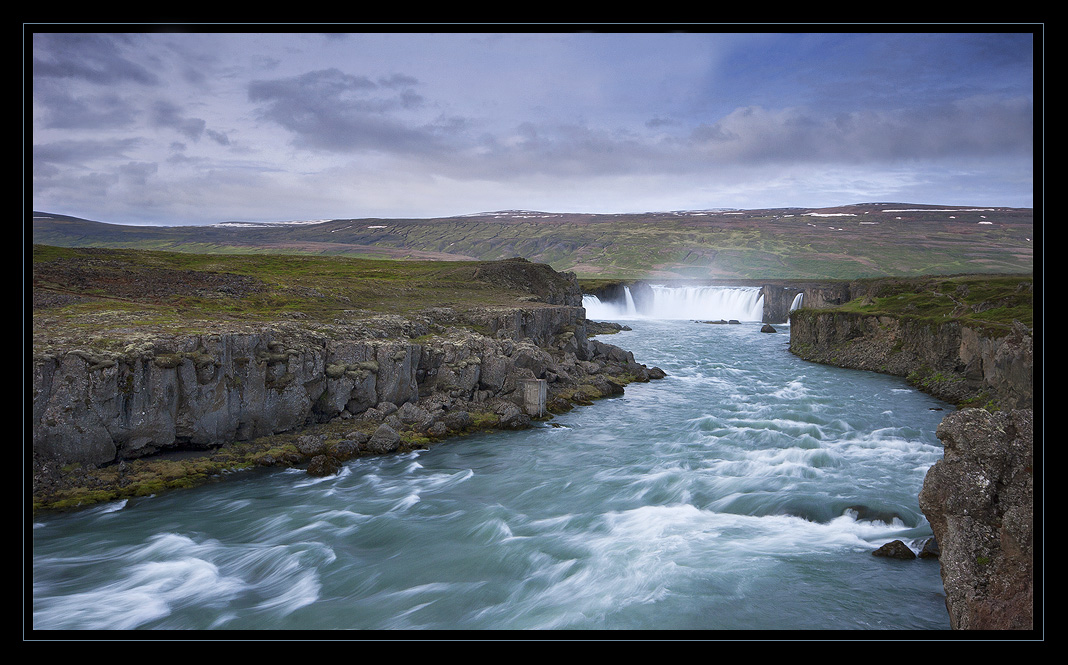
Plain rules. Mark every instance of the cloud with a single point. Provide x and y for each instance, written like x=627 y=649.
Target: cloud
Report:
x=969 y=128
x=63 y=110
x=80 y=153
x=425 y=122
x=330 y=110
x=218 y=137
x=167 y=114
x=94 y=58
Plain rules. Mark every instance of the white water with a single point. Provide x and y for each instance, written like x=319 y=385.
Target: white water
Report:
x=673 y=303
x=723 y=497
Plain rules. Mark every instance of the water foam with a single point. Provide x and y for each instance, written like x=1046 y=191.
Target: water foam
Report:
x=741 y=303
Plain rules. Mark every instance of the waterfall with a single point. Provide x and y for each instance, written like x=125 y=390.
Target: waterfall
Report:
x=743 y=303
x=597 y=310
x=797 y=301
x=631 y=309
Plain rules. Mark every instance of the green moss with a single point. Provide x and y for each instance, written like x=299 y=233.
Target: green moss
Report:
x=484 y=420
x=168 y=360
x=414 y=441
x=988 y=303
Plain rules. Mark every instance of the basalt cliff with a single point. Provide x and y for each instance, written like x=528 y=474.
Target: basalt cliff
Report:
x=317 y=390
x=968 y=341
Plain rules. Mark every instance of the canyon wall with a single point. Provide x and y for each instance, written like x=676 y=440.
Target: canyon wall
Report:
x=200 y=391
x=952 y=361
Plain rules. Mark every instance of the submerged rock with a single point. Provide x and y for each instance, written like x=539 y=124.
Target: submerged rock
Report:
x=930 y=549
x=895 y=549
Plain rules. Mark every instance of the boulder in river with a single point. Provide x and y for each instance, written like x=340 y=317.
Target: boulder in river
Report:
x=895 y=549
x=323 y=465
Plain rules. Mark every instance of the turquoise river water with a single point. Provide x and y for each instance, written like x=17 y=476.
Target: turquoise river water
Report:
x=745 y=491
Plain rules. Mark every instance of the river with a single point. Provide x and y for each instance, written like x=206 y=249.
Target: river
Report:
x=745 y=491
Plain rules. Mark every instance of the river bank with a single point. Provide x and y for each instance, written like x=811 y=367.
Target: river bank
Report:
x=413 y=396
x=245 y=375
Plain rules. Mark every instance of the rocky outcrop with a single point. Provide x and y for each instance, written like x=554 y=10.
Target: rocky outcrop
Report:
x=979 y=500
x=954 y=362
x=93 y=407
x=779 y=297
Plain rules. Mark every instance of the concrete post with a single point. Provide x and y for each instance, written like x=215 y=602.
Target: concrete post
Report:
x=534 y=391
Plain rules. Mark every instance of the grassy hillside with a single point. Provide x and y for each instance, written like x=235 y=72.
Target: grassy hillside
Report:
x=848 y=242
x=81 y=293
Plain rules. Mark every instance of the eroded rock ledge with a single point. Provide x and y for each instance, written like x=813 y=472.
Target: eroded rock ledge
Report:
x=385 y=383
x=954 y=362
x=979 y=500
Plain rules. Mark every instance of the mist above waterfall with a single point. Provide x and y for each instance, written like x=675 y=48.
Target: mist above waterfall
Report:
x=743 y=303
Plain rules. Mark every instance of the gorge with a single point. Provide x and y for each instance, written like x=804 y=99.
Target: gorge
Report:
x=322 y=389
x=980 y=498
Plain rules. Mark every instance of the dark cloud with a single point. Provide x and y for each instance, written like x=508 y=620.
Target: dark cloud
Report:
x=96 y=58
x=218 y=137
x=167 y=114
x=111 y=82
x=656 y=123
x=331 y=110
x=398 y=81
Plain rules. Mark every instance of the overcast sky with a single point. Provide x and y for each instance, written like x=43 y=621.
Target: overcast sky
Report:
x=198 y=127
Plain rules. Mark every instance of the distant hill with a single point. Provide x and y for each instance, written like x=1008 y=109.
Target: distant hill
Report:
x=843 y=242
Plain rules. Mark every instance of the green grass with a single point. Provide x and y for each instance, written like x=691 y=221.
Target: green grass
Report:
x=989 y=302
x=125 y=290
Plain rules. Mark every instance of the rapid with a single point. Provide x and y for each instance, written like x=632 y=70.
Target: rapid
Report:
x=746 y=490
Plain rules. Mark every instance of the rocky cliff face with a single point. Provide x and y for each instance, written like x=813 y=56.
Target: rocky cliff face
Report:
x=778 y=297
x=979 y=500
x=200 y=391
x=953 y=362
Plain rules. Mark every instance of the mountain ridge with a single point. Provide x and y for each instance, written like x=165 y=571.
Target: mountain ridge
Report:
x=832 y=242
